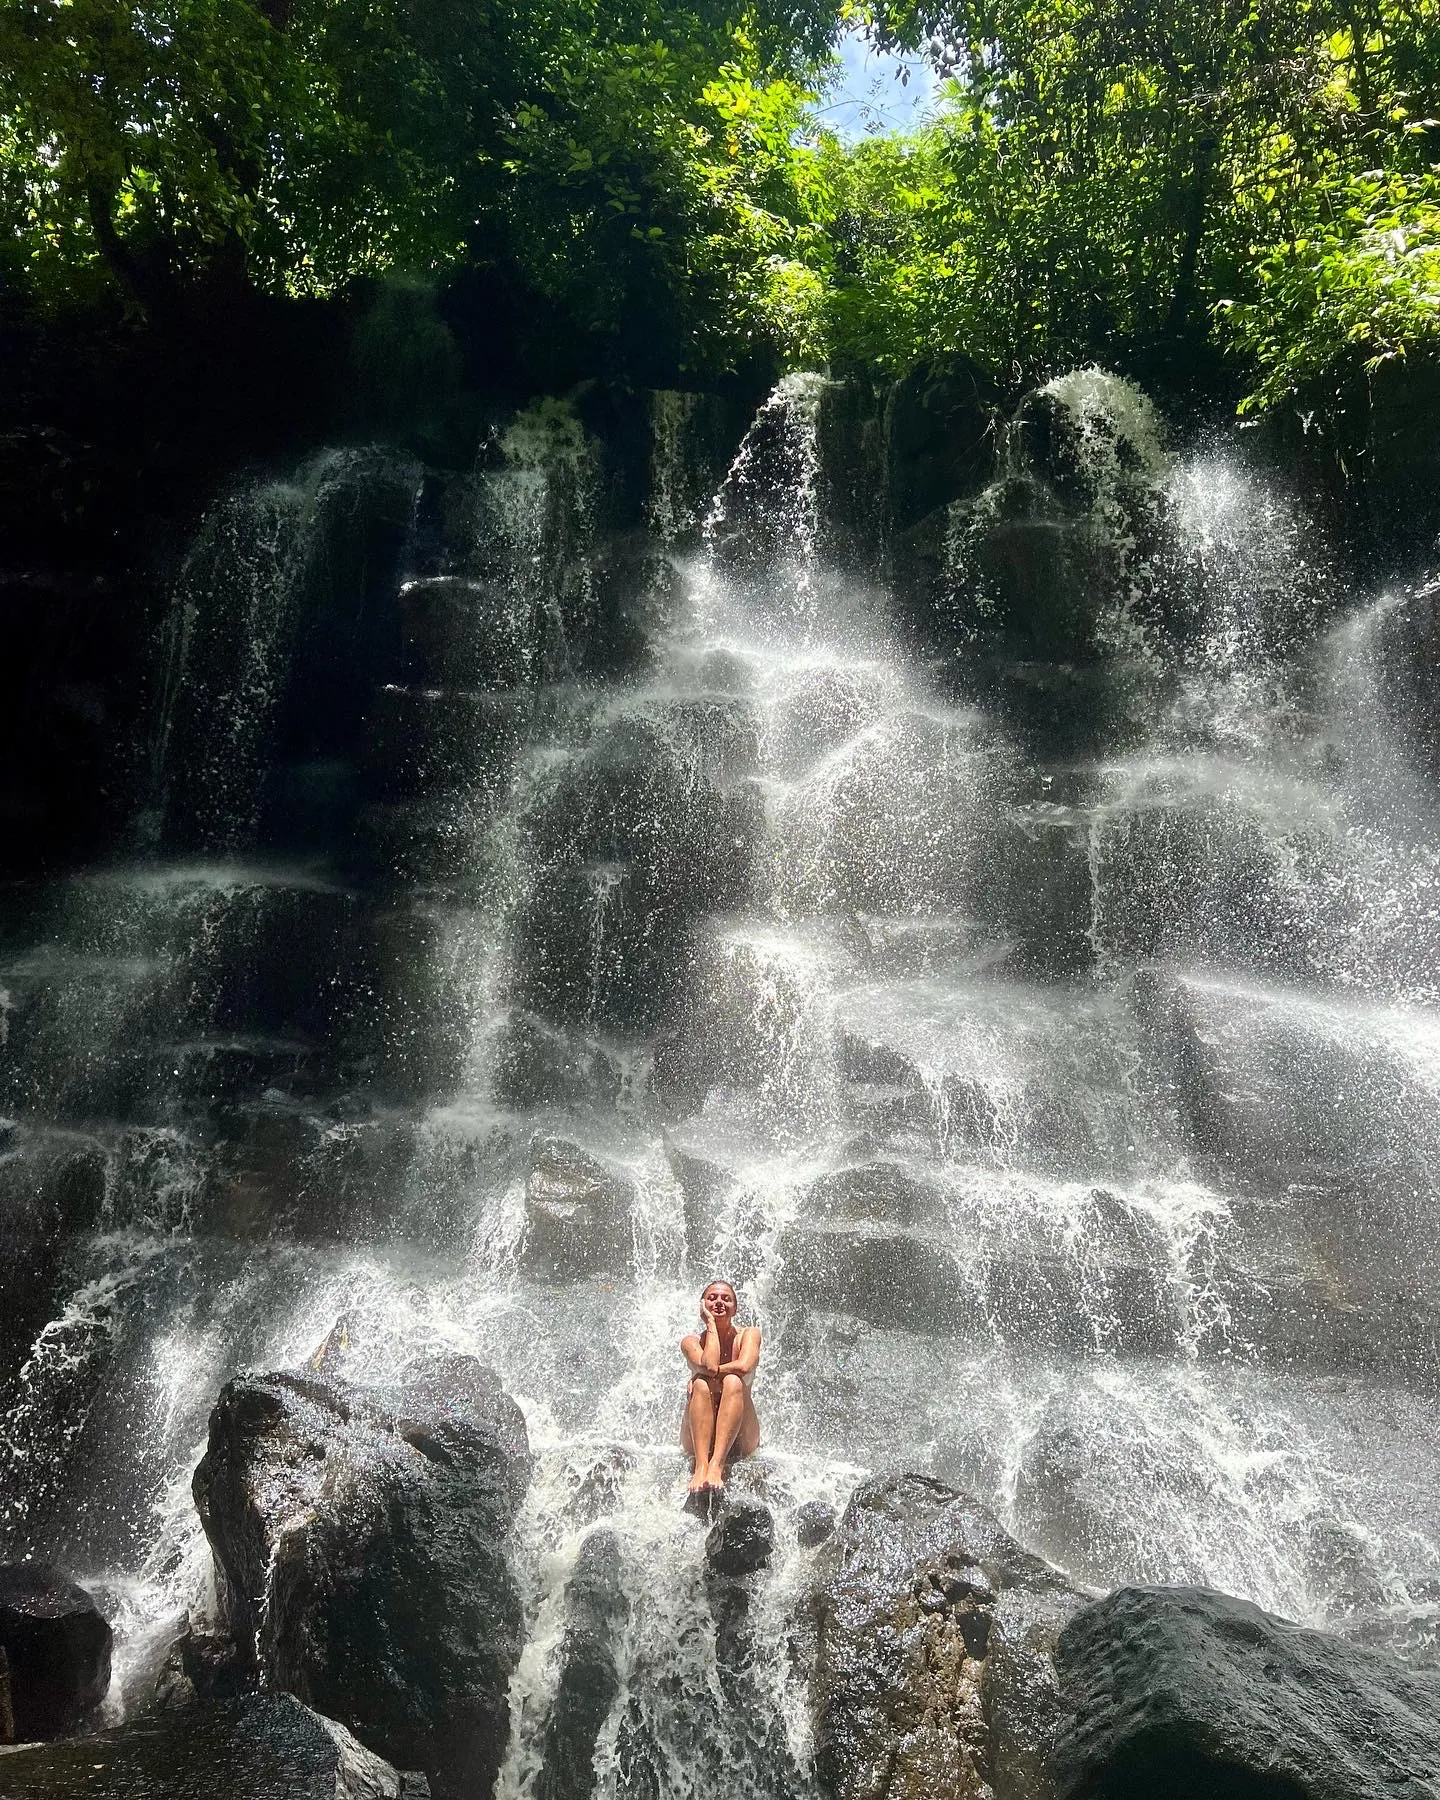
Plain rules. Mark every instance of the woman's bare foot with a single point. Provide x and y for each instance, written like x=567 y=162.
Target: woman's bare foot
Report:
x=715 y=1478
x=699 y=1479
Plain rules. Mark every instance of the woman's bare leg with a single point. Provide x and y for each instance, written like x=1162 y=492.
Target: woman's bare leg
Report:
x=747 y=1439
x=736 y=1427
x=697 y=1435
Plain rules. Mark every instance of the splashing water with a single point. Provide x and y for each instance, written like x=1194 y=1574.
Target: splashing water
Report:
x=1071 y=1126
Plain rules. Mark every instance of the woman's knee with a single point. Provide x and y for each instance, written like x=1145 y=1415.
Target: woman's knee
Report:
x=732 y=1384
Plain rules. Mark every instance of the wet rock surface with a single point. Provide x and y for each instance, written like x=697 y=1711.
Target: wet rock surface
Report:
x=596 y=1610
x=814 y=1522
x=577 y=1213
x=742 y=1538
x=56 y=1648
x=1185 y=1692
x=360 y=1541
x=262 y=1747
x=935 y=1632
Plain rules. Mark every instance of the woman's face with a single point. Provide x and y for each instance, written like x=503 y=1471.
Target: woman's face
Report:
x=718 y=1300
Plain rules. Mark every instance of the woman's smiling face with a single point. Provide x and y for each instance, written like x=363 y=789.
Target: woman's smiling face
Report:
x=719 y=1300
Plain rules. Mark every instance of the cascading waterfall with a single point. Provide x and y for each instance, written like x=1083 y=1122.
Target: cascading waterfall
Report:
x=1070 y=1119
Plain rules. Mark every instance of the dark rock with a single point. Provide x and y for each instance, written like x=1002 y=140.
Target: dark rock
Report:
x=596 y=1608
x=1271 y=1079
x=934 y=1637
x=870 y=1272
x=742 y=1539
x=814 y=1522
x=1041 y=869
x=52 y=1189
x=1078 y=1467
x=599 y=1492
x=940 y=440
x=577 y=1213
x=212 y=1665
x=538 y=1064
x=1406 y=653
x=1062 y=709
x=1321 y=1111
x=57 y=1646
x=459 y=630
x=631 y=841
x=1187 y=874
x=263 y=1747
x=883 y=1191
x=1033 y=580
x=360 y=1546
x=421 y=739
x=706 y=1156
x=1188 y=1693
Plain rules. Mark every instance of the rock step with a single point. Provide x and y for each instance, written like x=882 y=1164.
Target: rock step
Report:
x=1022 y=1258
x=436 y=842
x=1036 y=1076
x=174 y=959
x=1289 y=1090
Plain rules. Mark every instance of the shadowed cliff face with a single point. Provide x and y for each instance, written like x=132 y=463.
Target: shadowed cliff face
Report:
x=1001 y=940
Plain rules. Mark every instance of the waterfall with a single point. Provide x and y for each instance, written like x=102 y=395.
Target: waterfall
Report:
x=1064 y=1097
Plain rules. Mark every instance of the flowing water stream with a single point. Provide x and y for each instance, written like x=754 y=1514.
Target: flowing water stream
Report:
x=1071 y=1121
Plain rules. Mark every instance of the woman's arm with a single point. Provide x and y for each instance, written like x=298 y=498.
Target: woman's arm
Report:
x=692 y=1349
x=747 y=1355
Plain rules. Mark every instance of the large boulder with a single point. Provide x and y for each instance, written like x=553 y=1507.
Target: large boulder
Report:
x=57 y=1649
x=360 y=1540
x=577 y=1213
x=934 y=1637
x=1184 y=1692
x=262 y=1747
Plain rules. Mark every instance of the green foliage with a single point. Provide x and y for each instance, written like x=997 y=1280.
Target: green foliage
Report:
x=1158 y=182
x=1151 y=179
x=616 y=154
x=1365 y=286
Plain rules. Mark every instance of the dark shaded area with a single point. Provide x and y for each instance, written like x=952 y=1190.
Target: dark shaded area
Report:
x=265 y=1747
x=1158 y=1771
x=56 y=1649
x=116 y=433
x=112 y=437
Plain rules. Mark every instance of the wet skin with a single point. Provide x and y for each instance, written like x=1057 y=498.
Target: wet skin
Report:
x=720 y=1421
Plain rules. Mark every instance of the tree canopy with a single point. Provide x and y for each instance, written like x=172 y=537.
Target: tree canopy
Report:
x=1161 y=178
x=614 y=152
x=1243 y=184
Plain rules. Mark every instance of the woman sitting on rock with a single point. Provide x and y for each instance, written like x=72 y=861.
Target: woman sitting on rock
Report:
x=720 y=1420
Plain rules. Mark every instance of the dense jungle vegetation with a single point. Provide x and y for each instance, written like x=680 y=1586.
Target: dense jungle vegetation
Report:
x=1248 y=187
